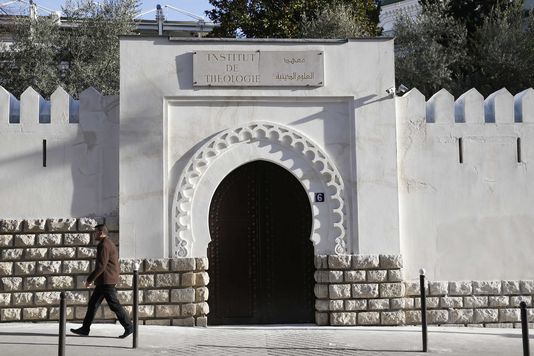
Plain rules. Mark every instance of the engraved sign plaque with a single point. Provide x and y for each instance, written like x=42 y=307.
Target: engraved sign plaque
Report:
x=258 y=68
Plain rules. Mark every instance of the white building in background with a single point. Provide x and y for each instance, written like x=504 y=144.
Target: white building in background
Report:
x=391 y=9
x=160 y=25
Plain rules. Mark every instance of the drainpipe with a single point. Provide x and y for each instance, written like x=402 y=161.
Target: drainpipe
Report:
x=201 y=23
x=160 y=18
x=33 y=10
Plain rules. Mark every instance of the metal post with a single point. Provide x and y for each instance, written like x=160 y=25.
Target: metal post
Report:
x=62 y=324
x=135 y=304
x=524 y=328
x=423 y=308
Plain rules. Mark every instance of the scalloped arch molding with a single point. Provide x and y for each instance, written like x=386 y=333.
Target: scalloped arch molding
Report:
x=257 y=141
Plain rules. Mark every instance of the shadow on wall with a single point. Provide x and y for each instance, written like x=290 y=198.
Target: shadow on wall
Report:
x=65 y=165
x=175 y=173
x=332 y=120
x=336 y=137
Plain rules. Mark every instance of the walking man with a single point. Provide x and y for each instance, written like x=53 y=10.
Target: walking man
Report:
x=105 y=276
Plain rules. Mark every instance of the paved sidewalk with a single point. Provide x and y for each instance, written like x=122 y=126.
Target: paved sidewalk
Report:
x=41 y=339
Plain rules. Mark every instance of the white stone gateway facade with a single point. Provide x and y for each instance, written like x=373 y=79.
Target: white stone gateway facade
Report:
x=189 y=138
x=281 y=178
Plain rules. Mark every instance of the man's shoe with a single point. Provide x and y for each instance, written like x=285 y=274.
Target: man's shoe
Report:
x=80 y=331
x=127 y=333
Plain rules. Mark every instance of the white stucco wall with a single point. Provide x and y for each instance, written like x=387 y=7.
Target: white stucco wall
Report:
x=164 y=119
x=470 y=220
x=81 y=173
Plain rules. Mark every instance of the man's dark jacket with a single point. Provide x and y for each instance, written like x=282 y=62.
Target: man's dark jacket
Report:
x=107 y=264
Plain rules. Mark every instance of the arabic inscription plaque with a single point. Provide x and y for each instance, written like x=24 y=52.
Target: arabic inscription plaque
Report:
x=258 y=68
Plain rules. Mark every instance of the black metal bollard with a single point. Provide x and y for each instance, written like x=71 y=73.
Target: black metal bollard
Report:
x=62 y=324
x=524 y=328
x=423 y=309
x=135 y=318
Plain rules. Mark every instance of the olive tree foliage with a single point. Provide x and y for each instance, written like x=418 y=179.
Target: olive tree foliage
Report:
x=83 y=53
x=503 y=51
x=472 y=13
x=283 y=18
x=93 y=48
x=437 y=50
x=338 y=20
x=33 y=58
x=429 y=49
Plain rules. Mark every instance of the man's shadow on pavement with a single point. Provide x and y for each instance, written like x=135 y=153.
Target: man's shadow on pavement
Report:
x=57 y=336
x=54 y=335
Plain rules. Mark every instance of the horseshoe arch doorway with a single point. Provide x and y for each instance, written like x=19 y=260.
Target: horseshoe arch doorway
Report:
x=260 y=255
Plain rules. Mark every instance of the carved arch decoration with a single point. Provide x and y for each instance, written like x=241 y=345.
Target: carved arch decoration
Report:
x=288 y=138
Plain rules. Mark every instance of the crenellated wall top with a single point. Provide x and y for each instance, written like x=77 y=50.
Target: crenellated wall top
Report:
x=501 y=107
x=32 y=109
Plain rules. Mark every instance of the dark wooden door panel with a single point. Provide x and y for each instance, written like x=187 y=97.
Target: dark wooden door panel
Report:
x=261 y=257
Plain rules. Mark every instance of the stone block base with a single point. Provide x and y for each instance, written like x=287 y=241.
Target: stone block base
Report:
x=370 y=290
x=40 y=258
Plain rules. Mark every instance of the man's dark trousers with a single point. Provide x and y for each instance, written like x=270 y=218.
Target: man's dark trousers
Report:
x=108 y=292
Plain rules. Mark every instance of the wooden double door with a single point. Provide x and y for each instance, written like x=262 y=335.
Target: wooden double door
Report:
x=260 y=254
